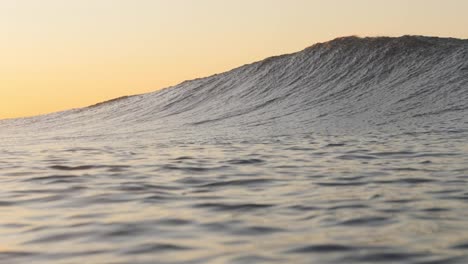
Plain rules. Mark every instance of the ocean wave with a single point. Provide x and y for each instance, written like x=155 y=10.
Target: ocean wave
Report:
x=346 y=85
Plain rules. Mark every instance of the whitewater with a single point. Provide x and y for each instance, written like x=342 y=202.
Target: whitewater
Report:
x=350 y=151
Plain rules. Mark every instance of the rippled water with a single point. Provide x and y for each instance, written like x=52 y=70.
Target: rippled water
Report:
x=303 y=199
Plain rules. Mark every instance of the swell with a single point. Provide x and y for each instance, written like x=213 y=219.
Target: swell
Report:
x=345 y=85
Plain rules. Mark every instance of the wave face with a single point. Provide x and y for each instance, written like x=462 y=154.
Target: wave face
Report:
x=347 y=85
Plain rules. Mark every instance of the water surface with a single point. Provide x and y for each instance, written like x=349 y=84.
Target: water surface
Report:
x=304 y=199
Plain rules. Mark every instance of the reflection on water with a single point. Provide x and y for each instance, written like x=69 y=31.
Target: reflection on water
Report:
x=308 y=199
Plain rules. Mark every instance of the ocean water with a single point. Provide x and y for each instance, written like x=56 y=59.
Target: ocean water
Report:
x=351 y=151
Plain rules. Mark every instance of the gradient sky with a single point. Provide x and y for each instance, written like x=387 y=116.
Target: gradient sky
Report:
x=61 y=54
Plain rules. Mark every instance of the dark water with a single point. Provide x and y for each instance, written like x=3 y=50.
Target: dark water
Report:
x=304 y=199
x=351 y=151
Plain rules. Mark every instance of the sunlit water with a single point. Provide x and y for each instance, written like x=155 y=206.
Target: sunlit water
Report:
x=302 y=199
x=241 y=167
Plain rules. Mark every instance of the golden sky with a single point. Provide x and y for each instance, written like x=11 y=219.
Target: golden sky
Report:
x=61 y=54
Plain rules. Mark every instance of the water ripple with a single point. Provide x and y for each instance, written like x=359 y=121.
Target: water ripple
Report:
x=292 y=200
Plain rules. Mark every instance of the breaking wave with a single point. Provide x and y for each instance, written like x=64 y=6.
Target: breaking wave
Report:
x=347 y=85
